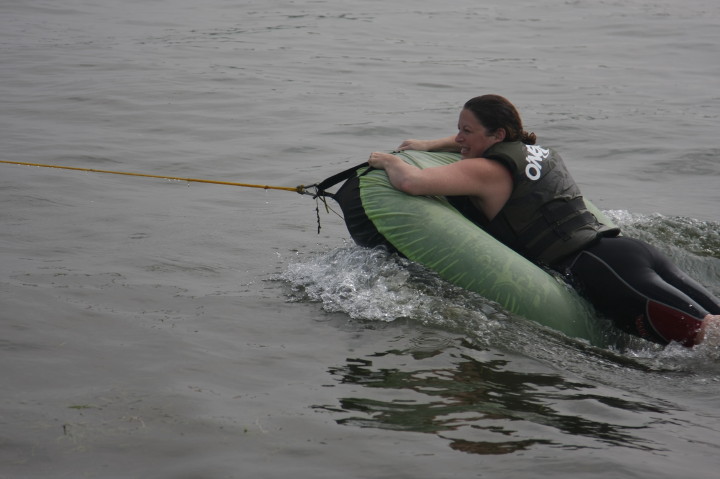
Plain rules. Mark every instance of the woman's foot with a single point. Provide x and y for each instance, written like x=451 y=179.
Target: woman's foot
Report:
x=709 y=332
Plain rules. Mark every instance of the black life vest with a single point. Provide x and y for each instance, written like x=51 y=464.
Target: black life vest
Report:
x=545 y=219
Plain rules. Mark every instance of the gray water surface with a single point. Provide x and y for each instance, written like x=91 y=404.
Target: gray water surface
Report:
x=164 y=329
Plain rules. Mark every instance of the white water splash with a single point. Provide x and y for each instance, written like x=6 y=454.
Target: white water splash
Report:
x=373 y=285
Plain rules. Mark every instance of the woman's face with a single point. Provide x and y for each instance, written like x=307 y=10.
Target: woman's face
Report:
x=473 y=137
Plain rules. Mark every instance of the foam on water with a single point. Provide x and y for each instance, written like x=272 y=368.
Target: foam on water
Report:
x=374 y=285
x=696 y=237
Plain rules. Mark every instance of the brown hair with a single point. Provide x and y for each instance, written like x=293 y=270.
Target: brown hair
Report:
x=495 y=112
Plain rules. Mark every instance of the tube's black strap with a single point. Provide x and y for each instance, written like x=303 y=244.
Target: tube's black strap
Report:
x=342 y=176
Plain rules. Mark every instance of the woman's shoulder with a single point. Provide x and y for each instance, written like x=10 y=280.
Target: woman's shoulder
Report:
x=507 y=148
x=511 y=154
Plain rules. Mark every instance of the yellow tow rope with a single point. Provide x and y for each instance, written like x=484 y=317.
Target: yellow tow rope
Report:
x=302 y=189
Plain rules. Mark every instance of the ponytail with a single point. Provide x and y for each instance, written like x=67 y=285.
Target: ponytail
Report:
x=528 y=138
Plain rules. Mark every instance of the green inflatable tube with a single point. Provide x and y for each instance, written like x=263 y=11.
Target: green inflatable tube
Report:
x=429 y=231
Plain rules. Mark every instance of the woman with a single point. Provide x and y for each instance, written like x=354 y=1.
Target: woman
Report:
x=524 y=196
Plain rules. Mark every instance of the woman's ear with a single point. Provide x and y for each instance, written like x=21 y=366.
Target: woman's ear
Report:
x=500 y=134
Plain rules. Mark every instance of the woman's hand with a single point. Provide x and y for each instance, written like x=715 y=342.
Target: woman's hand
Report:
x=381 y=160
x=441 y=144
x=418 y=145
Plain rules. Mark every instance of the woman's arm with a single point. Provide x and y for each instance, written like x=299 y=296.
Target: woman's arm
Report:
x=441 y=144
x=487 y=181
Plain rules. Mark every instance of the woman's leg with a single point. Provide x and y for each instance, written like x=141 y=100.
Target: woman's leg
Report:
x=622 y=278
x=679 y=279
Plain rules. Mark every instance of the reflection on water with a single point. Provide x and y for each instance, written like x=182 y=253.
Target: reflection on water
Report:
x=488 y=406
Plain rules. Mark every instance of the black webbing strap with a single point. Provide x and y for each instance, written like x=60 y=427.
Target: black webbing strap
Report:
x=342 y=176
